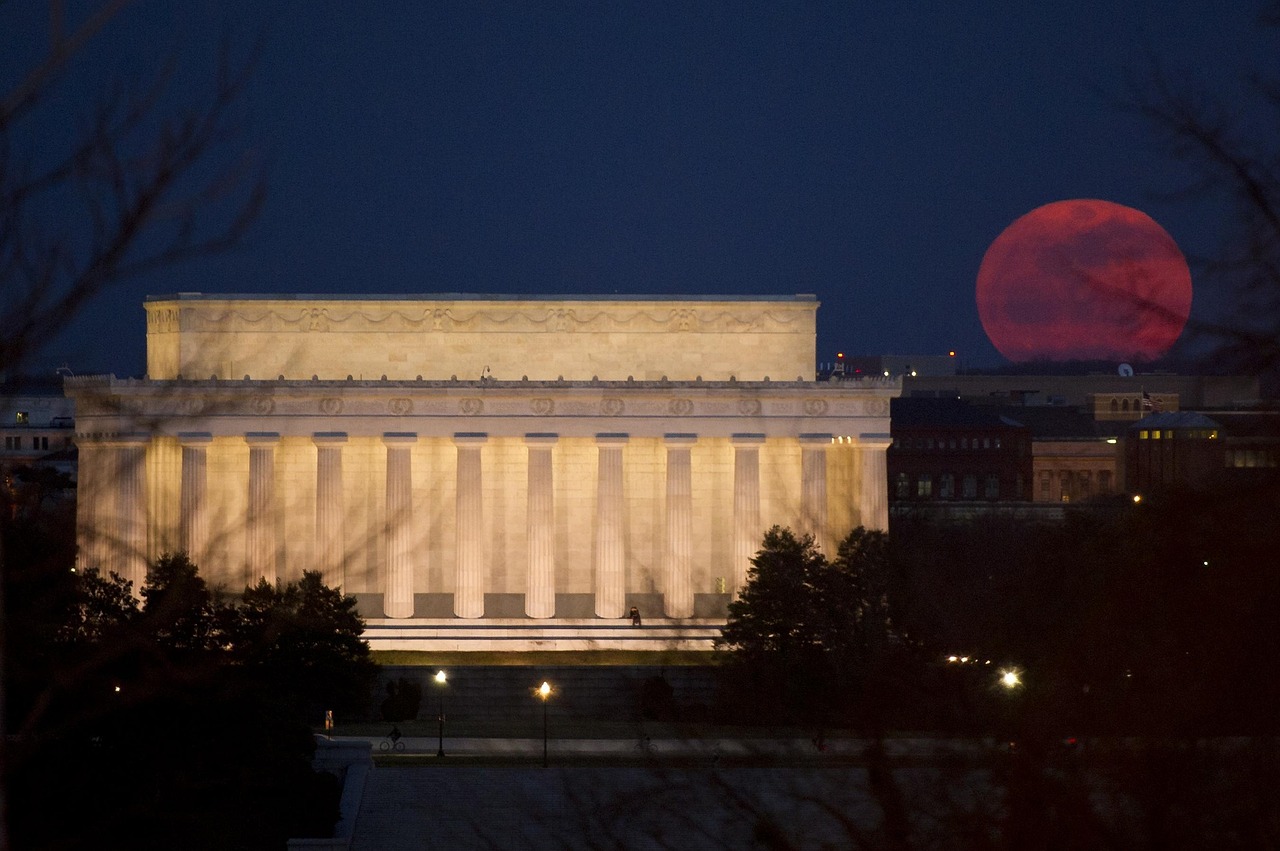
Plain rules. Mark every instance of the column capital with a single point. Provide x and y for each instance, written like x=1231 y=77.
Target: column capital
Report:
x=329 y=438
x=612 y=438
x=195 y=438
x=470 y=438
x=399 y=438
x=127 y=439
x=746 y=439
x=262 y=438
x=541 y=438
x=875 y=440
x=679 y=439
x=814 y=439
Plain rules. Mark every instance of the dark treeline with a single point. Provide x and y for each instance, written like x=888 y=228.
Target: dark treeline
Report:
x=1127 y=618
x=182 y=719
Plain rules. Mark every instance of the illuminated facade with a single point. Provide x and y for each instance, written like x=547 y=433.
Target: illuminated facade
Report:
x=481 y=472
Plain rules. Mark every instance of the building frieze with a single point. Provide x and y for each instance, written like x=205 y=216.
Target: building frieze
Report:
x=378 y=318
x=159 y=401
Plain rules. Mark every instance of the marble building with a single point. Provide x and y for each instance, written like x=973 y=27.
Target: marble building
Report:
x=481 y=472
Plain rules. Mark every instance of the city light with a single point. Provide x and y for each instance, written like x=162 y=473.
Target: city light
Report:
x=1010 y=679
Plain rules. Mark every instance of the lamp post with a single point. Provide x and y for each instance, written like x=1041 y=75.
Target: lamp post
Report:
x=441 y=680
x=544 y=691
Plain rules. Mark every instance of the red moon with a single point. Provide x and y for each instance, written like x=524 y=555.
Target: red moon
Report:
x=1084 y=280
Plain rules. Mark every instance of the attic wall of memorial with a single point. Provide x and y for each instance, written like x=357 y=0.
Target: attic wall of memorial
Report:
x=648 y=340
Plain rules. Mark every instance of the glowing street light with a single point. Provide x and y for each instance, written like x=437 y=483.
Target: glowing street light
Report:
x=441 y=681
x=544 y=692
x=1010 y=679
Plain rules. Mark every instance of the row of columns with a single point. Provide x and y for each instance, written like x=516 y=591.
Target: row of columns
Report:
x=126 y=456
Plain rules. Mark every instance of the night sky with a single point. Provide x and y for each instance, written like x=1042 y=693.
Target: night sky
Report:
x=865 y=152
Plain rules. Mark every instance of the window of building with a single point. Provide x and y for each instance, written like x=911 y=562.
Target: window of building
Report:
x=12 y=442
x=1144 y=434
x=1115 y=406
x=39 y=443
x=970 y=487
x=928 y=443
x=1155 y=434
x=1104 y=481
x=22 y=418
x=924 y=486
x=993 y=486
x=901 y=486
x=947 y=486
x=1124 y=406
x=1086 y=483
x=997 y=443
x=986 y=443
x=1044 y=485
x=964 y=443
x=951 y=444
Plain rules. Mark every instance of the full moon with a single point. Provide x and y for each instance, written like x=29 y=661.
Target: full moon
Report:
x=1084 y=280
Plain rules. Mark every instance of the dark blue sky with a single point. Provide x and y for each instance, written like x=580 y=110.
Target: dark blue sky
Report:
x=865 y=152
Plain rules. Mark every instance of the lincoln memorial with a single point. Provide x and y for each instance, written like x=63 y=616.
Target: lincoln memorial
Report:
x=480 y=472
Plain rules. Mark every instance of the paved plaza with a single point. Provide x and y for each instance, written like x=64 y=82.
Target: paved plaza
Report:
x=701 y=796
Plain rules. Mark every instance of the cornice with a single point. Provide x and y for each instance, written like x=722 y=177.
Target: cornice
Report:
x=482 y=399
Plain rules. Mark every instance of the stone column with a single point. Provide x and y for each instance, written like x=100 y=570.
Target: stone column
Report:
x=678 y=587
x=540 y=588
x=397 y=597
x=193 y=514
x=468 y=594
x=261 y=538
x=873 y=489
x=813 y=487
x=610 y=564
x=747 y=534
x=90 y=499
x=331 y=536
x=130 y=527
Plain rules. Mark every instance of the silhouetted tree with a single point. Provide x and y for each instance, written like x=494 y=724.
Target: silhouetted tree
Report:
x=153 y=720
x=805 y=630
x=146 y=180
x=1232 y=155
x=303 y=639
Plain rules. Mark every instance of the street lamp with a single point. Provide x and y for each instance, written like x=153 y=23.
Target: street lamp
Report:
x=441 y=680
x=544 y=692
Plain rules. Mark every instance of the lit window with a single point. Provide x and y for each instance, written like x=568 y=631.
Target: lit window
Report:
x=22 y=418
x=947 y=486
x=924 y=486
x=1144 y=434
x=902 y=486
x=997 y=444
x=1155 y=434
